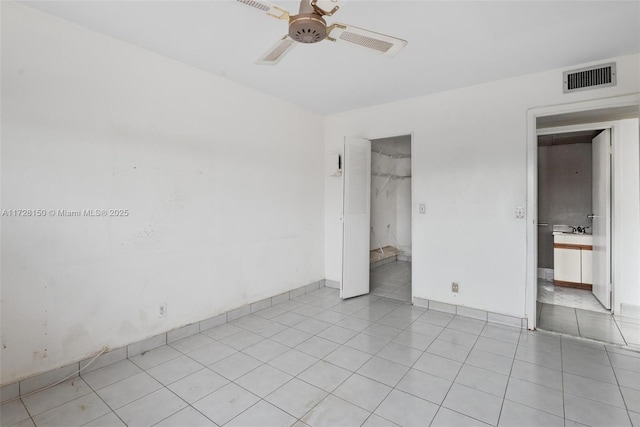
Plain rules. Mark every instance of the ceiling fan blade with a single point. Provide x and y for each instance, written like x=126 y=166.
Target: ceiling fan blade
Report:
x=327 y=7
x=372 y=41
x=277 y=51
x=268 y=8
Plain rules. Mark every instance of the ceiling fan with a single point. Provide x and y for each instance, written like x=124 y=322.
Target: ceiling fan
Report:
x=309 y=26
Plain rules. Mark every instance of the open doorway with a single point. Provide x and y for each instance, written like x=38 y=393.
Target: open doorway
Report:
x=574 y=233
x=620 y=116
x=390 y=239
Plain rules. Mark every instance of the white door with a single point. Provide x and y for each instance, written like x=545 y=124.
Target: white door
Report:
x=356 y=217
x=601 y=226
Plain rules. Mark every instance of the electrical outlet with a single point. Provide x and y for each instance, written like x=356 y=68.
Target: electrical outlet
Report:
x=162 y=310
x=454 y=287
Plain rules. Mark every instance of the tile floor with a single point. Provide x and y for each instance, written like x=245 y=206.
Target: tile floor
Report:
x=589 y=324
x=568 y=297
x=370 y=361
x=578 y=313
x=392 y=280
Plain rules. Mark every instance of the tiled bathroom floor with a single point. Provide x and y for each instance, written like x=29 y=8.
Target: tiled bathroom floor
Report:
x=320 y=361
x=392 y=280
x=577 y=312
x=568 y=297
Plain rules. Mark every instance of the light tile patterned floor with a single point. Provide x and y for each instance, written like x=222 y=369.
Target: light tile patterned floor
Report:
x=578 y=313
x=568 y=297
x=369 y=361
x=392 y=280
x=589 y=324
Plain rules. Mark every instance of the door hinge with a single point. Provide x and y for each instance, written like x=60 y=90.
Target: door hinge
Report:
x=609 y=287
x=610 y=149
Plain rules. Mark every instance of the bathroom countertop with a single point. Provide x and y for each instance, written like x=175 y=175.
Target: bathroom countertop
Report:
x=572 y=238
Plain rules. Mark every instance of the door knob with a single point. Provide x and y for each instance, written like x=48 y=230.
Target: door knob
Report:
x=591 y=216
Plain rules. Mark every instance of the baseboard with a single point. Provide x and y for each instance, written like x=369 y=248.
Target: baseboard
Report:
x=575 y=285
x=545 y=273
x=630 y=310
x=334 y=284
x=474 y=313
x=393 y=258
x=36 y=382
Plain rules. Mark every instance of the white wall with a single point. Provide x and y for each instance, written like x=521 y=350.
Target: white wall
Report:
x=223 y=185
x=626 y=217
x=470 y=169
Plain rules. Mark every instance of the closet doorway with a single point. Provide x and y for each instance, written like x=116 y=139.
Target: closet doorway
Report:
x=390 y=241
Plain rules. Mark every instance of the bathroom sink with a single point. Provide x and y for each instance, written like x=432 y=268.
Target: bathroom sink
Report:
x=563 y=229
x=563 y=233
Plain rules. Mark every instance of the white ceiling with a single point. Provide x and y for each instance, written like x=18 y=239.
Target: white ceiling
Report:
x=451 y=43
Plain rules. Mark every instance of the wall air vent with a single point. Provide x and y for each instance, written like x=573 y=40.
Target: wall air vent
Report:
x=590 y=78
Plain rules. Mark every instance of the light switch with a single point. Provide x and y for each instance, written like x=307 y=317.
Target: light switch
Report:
x=423 y=208
x=519 y=212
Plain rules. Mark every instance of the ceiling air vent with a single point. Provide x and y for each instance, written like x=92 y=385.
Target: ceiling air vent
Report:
x=590 y=78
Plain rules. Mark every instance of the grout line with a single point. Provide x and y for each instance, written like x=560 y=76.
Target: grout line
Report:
x=564 y=411
x=506 y=387
x=620 y=330
x=575 y=313
x=106 y=404
x=615 y=375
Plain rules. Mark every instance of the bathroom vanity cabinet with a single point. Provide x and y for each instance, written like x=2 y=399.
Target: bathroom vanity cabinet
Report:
x=572 y=260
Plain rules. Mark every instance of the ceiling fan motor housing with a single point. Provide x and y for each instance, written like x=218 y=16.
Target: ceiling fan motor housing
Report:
x=307 y=28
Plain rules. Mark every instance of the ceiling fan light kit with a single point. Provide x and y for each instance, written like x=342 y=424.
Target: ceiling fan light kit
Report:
x=309 y=26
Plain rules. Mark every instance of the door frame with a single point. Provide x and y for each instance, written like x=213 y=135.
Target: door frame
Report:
x=610 y=125
x=533 y=114
x=414 y=208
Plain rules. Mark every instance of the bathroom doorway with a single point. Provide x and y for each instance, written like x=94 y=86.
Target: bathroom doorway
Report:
x=390 y=241
x=577 y=291
x=570 y=180
x=620 y=115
